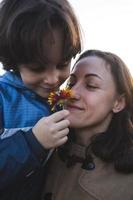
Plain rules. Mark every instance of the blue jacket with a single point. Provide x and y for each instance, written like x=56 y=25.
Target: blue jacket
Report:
x=21 y=156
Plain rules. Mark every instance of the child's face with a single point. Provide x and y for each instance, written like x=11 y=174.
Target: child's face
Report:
x=46 y=80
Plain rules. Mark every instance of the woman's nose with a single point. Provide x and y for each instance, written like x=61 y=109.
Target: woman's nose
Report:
x=76 y=91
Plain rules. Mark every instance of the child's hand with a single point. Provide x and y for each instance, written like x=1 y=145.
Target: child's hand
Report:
x=52 y=131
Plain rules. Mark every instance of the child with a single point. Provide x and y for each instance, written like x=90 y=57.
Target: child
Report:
x=38 y=39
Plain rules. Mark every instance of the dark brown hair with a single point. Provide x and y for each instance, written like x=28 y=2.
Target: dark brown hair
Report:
x=116 y=145
x=24 y=24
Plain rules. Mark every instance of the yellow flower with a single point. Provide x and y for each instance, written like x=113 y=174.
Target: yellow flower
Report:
x=59 y=98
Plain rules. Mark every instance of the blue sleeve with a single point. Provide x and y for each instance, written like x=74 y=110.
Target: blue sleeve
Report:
x=20 y=155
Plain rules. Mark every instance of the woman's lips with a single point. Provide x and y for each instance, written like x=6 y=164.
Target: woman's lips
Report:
x=75 y=107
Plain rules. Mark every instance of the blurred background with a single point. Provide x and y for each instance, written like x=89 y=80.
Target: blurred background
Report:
x=106 y=25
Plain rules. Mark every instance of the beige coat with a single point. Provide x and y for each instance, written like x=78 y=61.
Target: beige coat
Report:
x=75 y=183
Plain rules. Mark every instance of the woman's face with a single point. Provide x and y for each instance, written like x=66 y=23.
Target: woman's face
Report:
x=43 y=81
x=94 y=95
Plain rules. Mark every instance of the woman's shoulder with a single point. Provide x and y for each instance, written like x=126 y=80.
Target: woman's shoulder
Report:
x=104 y=182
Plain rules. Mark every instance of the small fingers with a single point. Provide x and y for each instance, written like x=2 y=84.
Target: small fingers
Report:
x=61 y=141
x=61 y=125
x=62 y=133
x=58 y=116
x=61 y=137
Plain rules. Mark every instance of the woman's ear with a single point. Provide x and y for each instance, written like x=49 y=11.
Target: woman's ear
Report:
x=119 y=104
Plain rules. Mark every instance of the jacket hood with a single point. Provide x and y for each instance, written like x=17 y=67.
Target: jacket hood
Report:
x=12 y=79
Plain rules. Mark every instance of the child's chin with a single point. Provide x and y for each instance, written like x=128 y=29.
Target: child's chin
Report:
x=43 y=95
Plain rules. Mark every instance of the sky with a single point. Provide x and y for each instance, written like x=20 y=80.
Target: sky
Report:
x=106 y=25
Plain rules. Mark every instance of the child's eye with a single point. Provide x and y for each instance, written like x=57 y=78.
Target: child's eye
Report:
x=63 y=65
x=36 y=68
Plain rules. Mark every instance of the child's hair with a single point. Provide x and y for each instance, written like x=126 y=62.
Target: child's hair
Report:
x=24 y=24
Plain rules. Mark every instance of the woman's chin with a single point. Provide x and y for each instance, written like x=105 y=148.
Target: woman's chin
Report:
x=74 y=123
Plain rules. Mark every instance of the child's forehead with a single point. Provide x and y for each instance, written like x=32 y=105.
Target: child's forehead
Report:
x=53 y=46
x=52 y=36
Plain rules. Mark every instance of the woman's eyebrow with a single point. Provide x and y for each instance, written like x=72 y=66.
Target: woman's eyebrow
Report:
x=95 y=75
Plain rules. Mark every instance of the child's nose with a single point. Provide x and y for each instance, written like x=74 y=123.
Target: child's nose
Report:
x=52 y=77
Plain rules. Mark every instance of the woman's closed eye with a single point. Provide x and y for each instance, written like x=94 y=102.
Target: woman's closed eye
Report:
x=91 y=86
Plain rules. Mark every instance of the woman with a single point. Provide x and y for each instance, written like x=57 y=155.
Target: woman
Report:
x=97 y=161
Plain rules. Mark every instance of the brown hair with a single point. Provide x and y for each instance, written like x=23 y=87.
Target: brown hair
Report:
x=116 y=145
x=24 y=24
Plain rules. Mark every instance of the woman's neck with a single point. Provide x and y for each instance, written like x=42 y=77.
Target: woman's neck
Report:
x=83 y=135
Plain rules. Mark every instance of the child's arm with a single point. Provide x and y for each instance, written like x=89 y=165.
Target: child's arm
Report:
x=23 y=153
x=20 y=156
